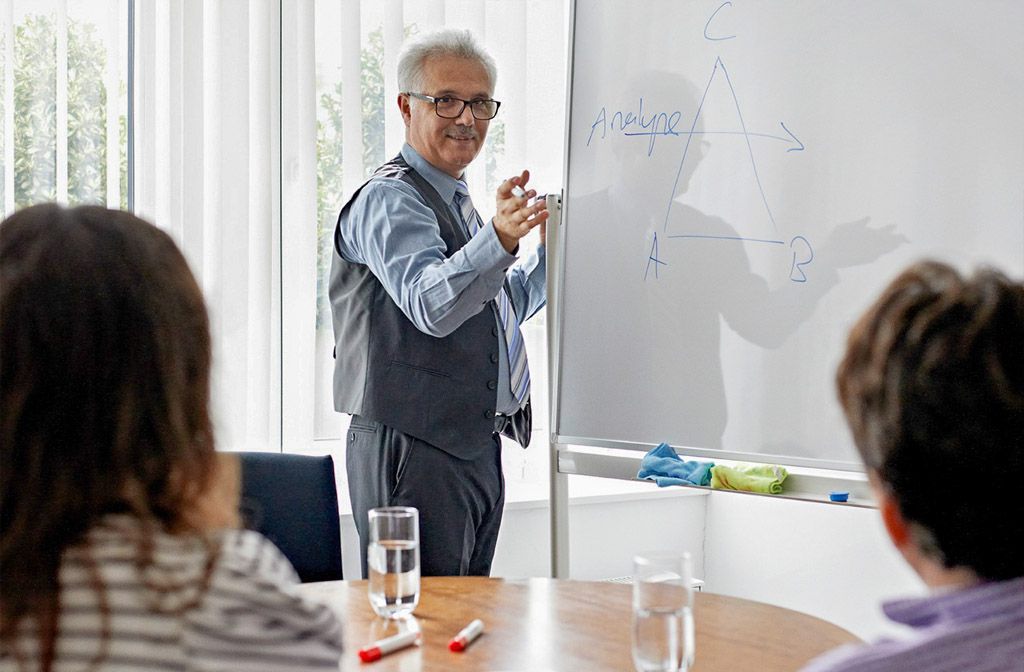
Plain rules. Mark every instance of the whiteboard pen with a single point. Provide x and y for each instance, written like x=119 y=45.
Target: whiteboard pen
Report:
x=466 y=635
x=382 y=647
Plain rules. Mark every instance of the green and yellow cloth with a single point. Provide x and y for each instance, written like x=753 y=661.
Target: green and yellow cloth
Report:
x=766 y=478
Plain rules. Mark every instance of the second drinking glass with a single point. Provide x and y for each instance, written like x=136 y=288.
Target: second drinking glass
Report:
x=663 y=637
x=393 y=559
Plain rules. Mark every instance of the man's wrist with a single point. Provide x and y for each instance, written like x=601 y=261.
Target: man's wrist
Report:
x=510 y=243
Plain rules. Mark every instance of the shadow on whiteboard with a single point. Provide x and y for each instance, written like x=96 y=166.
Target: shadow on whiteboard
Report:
x=678 y=243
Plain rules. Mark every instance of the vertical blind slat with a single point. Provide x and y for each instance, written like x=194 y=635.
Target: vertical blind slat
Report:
x=112 y=149
x=163 y=196
x=474 y=18
x=8 y=16
x=190 y=94
x=62 y=101
x=261 y=70
x=145 y=108
x=394 y=35
x=211 y=146
x=176 y=104
x=515 y=75
x=299 y=365
x=351 y=97
x=433 y=14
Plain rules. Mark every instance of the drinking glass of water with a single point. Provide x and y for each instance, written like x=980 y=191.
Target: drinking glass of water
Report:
x=663 y=613
x=393 y=557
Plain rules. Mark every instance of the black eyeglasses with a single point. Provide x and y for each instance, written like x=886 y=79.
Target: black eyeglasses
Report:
x=448 y=107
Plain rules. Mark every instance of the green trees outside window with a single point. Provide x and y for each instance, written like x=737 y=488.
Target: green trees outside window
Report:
x=35 y=114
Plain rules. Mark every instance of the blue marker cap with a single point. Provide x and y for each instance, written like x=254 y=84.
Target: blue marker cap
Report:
x=838 y=496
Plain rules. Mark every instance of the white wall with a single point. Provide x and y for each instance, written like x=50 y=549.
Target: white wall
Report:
x=832 y=561
x=605 y=532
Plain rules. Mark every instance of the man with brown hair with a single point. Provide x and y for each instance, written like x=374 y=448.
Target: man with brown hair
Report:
x=932 y=385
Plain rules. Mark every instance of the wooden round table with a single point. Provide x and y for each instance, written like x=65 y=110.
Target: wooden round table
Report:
x=538 y=625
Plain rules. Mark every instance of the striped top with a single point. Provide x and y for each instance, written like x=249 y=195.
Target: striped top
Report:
x=248 y=619
x=976 y=629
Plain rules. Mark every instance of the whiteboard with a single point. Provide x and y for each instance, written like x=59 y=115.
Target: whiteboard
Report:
x=742 y=179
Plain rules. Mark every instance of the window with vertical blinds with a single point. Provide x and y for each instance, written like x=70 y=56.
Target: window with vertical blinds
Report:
x=64 y=74
x=207 y=96
x=253 y=120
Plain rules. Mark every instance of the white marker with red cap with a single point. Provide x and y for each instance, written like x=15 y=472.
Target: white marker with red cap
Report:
x=466 y=635
x=382 y=647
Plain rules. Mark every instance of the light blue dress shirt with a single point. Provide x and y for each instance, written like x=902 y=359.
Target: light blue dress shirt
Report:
x=391 y=230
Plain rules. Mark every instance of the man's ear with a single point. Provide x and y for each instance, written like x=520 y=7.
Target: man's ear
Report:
x=403 y=107
x=895 y=524
x=928 y=567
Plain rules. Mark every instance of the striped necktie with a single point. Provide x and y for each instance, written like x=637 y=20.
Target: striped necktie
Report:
x=519 y=372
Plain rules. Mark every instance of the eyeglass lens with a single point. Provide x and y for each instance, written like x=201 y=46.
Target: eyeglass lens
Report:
x=450 y=108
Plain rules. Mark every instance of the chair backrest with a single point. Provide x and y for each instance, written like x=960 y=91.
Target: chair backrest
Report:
x=293 y=501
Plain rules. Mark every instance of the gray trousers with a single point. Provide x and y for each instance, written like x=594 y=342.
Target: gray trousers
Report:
x=460 y=502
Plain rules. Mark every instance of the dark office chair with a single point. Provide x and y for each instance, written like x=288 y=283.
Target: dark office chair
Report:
x=292 y=500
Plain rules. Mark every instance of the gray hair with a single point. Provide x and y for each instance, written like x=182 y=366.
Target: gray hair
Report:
x=444 y=42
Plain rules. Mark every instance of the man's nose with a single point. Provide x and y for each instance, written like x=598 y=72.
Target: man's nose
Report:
x=466 y=118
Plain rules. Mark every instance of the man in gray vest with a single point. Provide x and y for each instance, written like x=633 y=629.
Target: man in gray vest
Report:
x=427 y=299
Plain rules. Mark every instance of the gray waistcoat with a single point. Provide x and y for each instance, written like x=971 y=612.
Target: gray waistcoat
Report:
x=440 y=390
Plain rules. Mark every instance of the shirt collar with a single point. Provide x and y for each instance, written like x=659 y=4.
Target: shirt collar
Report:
x=438 y=179
x=966 y=605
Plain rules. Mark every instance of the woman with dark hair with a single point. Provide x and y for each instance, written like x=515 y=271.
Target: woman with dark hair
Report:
x=116 y=542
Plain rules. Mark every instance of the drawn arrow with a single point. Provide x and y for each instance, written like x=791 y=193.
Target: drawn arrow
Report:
x=788 y=138
x=795 y=139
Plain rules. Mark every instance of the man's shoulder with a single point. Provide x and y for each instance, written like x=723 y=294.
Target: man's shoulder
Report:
x=953 y=650
x=848 y=658
x=387 y=188
x=394 y=169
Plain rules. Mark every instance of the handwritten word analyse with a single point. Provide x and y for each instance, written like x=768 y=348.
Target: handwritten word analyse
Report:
x=630 y=123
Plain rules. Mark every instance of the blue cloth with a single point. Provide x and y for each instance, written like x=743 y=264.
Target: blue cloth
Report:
x=395 y=234
x=663 y=466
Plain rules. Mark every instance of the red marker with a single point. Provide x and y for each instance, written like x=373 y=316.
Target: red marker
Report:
x=466 y=635
x=382 y=647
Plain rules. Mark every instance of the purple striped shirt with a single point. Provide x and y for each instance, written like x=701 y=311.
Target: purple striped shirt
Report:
x=975 y=629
